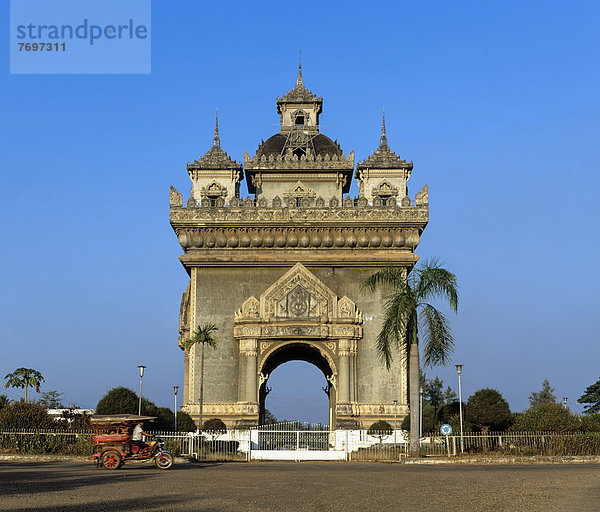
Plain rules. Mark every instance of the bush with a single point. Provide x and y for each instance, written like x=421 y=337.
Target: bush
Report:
x=550 y=417
x=185 y=423
x=380 y=429
x=590 y=423
x=4 y=401
x=71 y=420
x=25 y=415
x=214 y=425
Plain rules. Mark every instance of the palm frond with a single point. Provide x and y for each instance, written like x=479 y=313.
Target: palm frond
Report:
x=436 y=335
x=202 y=336
x=436 y=282
x=393 y=333
x=388 y=278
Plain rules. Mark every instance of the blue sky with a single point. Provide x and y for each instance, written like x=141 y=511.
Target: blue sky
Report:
x=496 y=103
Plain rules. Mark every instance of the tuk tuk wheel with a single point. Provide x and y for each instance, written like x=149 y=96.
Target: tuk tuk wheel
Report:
x=111 y=460
x=163 y=460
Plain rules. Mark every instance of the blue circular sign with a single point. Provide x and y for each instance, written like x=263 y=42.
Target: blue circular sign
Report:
x=446 y=429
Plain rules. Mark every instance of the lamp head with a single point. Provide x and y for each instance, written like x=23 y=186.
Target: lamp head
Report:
x=141 y=368
x=175 y=389
x=458 y=368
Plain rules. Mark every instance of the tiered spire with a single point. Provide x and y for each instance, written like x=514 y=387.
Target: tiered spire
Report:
x=383 y=141
x=216 y=140
x=215 y=157
x=299 y=80
x=384 y=157
x=299 y=94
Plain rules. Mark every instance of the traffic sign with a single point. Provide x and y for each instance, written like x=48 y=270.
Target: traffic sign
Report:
x=446 y=429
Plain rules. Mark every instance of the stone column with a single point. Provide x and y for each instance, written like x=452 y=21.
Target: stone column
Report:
x=249 y=350
x=343 y=384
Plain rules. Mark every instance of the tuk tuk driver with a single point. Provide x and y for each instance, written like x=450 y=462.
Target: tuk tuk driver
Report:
x=138 y=432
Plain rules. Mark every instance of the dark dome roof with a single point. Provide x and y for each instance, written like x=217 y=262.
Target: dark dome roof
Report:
x=274 y=146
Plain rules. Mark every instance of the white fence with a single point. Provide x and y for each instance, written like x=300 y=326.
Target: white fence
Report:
x=267 y=444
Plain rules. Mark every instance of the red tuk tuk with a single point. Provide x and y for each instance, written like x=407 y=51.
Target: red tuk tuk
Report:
x=113 y=444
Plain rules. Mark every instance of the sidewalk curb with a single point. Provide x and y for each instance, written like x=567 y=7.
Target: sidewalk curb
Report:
x=474 y=461
x=488 y=461
x=7 y=457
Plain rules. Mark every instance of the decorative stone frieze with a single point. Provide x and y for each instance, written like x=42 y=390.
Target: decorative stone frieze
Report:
x=219 y=410
x=298 y=238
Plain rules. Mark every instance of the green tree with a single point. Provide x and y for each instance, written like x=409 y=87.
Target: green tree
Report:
x=119 y=400
x=544 y=396
x=434 y=394
x=409 y=309
x=548 y=416
x=591 y=398
x=24 y=378
x=203 y=336
x=380 y=429
x=487 y=408
x=51 y=400
x=269 y=417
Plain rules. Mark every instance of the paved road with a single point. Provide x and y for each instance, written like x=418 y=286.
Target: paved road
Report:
x=348 y=487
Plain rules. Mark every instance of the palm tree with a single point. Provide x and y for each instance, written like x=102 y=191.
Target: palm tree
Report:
x=406 y=310
x=23 y=378
x=202 y=336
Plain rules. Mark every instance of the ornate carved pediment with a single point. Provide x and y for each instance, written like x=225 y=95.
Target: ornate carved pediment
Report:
x=250 y=309
x=300 y=190
x=298 y=305
x=175 y=198
x=298 y=294
x=384 y=189
x=422 y=198
x=214 y=190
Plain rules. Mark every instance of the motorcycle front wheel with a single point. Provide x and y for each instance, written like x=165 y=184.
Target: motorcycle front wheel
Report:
x=163 y=460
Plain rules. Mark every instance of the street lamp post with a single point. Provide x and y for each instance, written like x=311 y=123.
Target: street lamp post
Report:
x=175 y=389
x=395 y=416
x=459 y=371
x=141 y=368
x=420 y=412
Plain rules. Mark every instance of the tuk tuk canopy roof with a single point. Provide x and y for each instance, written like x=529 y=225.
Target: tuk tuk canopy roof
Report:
x=119 y=418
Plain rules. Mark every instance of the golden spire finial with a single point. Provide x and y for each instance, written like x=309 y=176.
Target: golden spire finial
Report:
x=299 y=81
x=216 y=140
x=383 y=140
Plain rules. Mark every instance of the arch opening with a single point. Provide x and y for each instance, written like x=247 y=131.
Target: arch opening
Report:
x=298 y=352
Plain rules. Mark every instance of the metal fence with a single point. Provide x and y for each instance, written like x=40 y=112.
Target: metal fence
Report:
x=231 y=445
x=513 y=443
x=46 y=442
x=275 y=442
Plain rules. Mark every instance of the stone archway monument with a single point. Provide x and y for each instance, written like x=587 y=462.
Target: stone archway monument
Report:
x=280 y=272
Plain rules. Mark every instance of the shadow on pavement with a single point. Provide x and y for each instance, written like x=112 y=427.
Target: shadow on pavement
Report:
x=129 y=504
x=20 y=478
